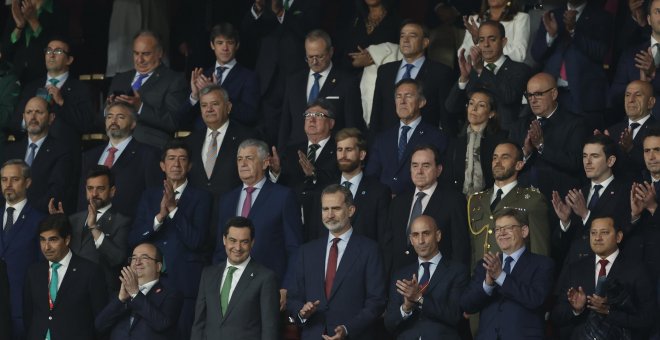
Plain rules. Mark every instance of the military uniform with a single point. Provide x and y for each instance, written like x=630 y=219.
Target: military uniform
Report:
x=482 y=223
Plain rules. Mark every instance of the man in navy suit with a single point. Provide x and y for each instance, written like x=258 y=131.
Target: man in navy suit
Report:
x=19 y=243
x=5 y=310
x=134 y=164
x=339 y=289
x=424 y=297
x=510 y=286
x=65 y=293
x=390 y=155
x=241 y=83
x=272 y=208
x=144 y=308
x=321 y=80
x=175 y=218
x=590 y=285
x=49 y=160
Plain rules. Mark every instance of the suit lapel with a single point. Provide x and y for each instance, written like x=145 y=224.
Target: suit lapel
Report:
x=330 y=83
x=126 y=156
x=70 y=278
x=18 y=225
x=153 y=79
x=262 y=198
x=241 y=287
x=438 y=274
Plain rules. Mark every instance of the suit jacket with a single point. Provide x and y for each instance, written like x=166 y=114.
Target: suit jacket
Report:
x=80 y=298
x=384 y=164
x=253 y=309
x=521 y=297
x=112 y=253
x=630 y=274
x=630 y=165
x=357 y=298
x=626 y=72
x=5 y=310
x=276 y=217
x=19 y=248
x=439 y=315
x=447 y=207
x=341 y=89
x=641 y=244
x=51 y=172
x=436 y=82
x=136 y=169
x=154 y=315
x=583 y=55
x=180 y=238
x=325 y=166
x=508 y=85
x=164 y=96
x=482 y=224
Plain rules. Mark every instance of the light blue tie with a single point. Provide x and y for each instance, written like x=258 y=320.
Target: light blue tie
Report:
x=407 y=75
x=316 y=88
x=138 y=82
x=31 y=154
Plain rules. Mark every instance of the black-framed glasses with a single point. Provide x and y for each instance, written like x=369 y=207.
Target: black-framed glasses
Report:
x=507 y=228
x=537 y=95
x=142 y=258
x=318 y=115
x=55 y=51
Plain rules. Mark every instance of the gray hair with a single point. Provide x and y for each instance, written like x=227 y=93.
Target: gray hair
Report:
x=214 y=87
x=25 y=169
x=262 y=147
x=335 y=188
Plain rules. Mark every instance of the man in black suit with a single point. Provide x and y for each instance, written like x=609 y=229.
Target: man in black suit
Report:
x=49 y=159
x=64 y=290
x=445 y=206
x=5 y=314
x=321 y=80
x=605 y=194
x=157 y=93
x=241 y=83
x=434 y=77
x=214 y=148
x=144 y=308
x=100 y=234
x=490 y=68
x=424 y=298
x=595 y=286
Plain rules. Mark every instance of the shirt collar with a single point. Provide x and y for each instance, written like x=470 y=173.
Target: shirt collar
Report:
x=579 y=9
x=181 y=188
x=121 y=146
x=145 y=288
x=417 y=62
x=324 y=73
x=61 y=79
x=435 y=260
x=611 y=258
x=498 y=63
x=505 y=189
x=604 y=183
x=428 y=191
x=39 y=142
x=241 y=266
x=344 y=237
x=321 y=143
x=228 y=65
x=223 y=129
x=64 y=262
x=413 y=125
x=18 y=207
x=257 y=185
x=101 y=211
x=516 y=254
x=640 y=121
x=355 y=181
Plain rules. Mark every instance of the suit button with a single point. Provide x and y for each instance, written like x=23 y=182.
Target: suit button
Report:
x=50 y=318
x=165 y=243
x=394 y=179
x=490 y=231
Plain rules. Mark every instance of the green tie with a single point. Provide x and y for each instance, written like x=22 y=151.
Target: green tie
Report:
x=287 y=4
x=226 y=287
x=53 y=81
x=52 y=287
x=491 y=67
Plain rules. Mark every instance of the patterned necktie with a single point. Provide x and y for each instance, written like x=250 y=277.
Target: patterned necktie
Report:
x=316 y=88
x=32 y=154
x=211 y=153
x=603 y=267
x=595 y=197
x=110 y=160
x=403 y=141
x=332 y=266
x=507 y=265
x=247 y=204
x=497 y=200
x=226 y=287
x=311 y=152
x=10 y=219
x=491 y=67
x=426 y=275
x=138 y=82
x=407 y=74
x=219 y=71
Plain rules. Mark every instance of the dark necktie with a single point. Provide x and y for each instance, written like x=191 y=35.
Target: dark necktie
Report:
x=311 y=152
x=138 y=82
x=491 y=67
x=247 y=204
x=218 y=73
x=403 y=141
x=633 y=127
x=507 y=265
x=316 y=88
x=497 y=200
x=407 y=74
x=603 y=267
x=656 y=54
x=10 y=219
x=416 y=211
x=426 y=275
x=543 y=121
x=347 y=185
x=32 y=154
x=656 y=186
x=110 y=160
x=332 y=266
x=595 y=197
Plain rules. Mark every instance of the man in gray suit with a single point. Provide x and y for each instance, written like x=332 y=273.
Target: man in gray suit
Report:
x=99 y=234
x=248 y=307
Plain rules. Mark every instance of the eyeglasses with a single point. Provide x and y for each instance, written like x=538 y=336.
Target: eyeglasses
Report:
x=537 y=95
x=315 y=58
x=142 y=258
x=56 y=51
x=507 y=228
x=317 y=115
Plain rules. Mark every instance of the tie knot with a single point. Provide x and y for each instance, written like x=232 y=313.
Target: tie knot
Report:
x=250 y=190
x=112 y=150
x=220 y=70
x=491 y=67
x=405 y=129
x=633 y=126
x=53 y=81
x=33 y=146
x=335 y=241
x=597 y=188
x=231 y=270
x=421 y=195
x=10 y=210
x=426 y=266
x=317 y=76
x=603 y=262
x=56 y=265
x=214 y=134
x=314 y=147
x=347 y=184
x=409 y=67
x=543 y=121
x=507 y=260
x=499 y=193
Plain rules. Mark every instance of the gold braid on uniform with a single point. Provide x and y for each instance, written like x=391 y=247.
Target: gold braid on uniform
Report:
x=476 y=233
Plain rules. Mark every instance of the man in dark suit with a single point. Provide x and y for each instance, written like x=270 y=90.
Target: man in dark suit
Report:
x=489 y=68
x=64 y=290
x=175 y=218
x=271 y=207
x=424 y=297
x=551 y=139
x=248 y=307
x=434 y=78
x=591 y=286
x=241 y=83
x=512 y=285
x=339 y=289
x=389 y=160
x=572 y=43
x=5 y=310
x=100 y=234
x=157 y=93
x=214 y=148
x=605 y=194
x=444 y=205
x=19 y=243
x=144 y=307
x=49 y=159
x=321 y=80
x=133 y=164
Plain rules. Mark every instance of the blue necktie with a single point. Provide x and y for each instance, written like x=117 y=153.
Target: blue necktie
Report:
x=218 y=73
x=316 y=88
x=507 y=264
x=595 y=197
x=416 y=212
x=138 y=82
x=31 y=154
x=426 y=276
x=407 y=75
x=403 y=141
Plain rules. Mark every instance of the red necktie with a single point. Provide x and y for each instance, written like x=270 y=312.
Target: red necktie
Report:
x=603 y=264
x=332 y=267
x=245 y=211
x=111 y=157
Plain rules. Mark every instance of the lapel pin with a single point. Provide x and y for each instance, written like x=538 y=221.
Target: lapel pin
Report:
x=527 y=196
x=73 y=269
x=364 y=192
x=251 y=274
x=157 y=290
x=334 y=80
x=145 y=233
x=421 y=132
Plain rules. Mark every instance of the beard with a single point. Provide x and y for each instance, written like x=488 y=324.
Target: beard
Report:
x=503 y=175
x=349 y=166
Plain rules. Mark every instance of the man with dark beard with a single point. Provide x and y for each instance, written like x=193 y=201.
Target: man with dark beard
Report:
x=482 y=206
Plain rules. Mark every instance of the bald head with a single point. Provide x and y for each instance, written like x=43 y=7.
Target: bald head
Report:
x=425 y=237
x=639 y=100
x=542 y=94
